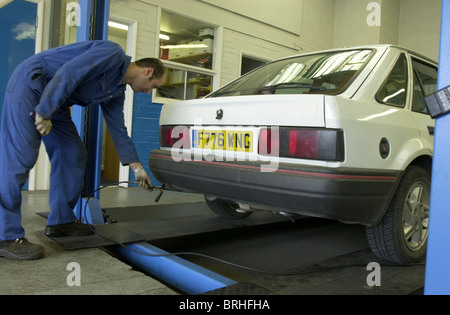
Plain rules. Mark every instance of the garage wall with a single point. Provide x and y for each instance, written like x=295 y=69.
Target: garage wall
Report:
x=146 y=16
x=414 y=24
x=356 y=23
x=322 y=24
x=419 y=26
x=317 y=25
x=235 y=44
x=350 y=24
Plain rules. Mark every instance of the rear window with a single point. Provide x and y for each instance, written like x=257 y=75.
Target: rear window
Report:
x=324 y=73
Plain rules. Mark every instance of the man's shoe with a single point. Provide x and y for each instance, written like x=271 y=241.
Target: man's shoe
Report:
x=21 y=249
x=69 y=229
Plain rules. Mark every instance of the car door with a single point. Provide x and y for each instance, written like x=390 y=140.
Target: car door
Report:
x=424 y=78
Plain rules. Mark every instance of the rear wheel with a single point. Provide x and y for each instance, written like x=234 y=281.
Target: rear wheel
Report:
x=401 y=236
x=227 y=209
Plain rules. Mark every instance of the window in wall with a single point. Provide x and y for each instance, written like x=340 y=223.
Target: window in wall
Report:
x=187 y=49
x=248 y=64
x=185 y=85
x=393 y=91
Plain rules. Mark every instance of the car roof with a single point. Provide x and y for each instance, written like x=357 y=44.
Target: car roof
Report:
x=377 y=46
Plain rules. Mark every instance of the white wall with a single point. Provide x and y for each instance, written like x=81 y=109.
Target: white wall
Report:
x=235 y=44
x=146 y=15
x=282 y=14
x=414 y=24
x=317 y=30
x=350 y=24
x=314 y=25
x=419 y=26
x=389 y=27
x=241 y=34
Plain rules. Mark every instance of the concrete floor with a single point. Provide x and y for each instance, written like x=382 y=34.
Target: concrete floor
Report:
x=101 y=274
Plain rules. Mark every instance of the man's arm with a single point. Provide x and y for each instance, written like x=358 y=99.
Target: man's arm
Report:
x=93 y=61
x=114 y=118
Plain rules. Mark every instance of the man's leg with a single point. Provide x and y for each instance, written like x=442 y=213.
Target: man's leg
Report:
x=19 y=149
x=68 y=158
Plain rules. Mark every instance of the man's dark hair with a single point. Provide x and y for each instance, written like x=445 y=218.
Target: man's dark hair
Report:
x=158 y=67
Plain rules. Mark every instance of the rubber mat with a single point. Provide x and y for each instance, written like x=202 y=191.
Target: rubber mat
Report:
x=106 y=234
x=160 y=222
x=160 y=229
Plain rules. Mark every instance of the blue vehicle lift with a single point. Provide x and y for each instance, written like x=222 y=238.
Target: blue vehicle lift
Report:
x=89 y=120
x=174 y=270
x=437 y=270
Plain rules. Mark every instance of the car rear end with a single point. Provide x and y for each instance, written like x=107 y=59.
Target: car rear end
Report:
x=278 y=144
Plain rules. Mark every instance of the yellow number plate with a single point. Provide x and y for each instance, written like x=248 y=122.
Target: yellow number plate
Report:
x=227 y=140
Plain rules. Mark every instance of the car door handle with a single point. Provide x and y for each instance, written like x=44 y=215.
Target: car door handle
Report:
x=430 y=130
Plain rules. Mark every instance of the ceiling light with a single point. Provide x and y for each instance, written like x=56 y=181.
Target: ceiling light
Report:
x=164 y=37
x=184 y=46
x=118 y=25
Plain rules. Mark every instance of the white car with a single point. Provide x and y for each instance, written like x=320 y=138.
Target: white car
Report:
x=340 y=134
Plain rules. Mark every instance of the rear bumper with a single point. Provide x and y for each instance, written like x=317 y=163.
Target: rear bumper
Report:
x=351 y=196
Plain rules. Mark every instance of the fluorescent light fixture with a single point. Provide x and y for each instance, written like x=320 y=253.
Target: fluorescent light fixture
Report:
x=183 y=46
x=118 y=25
x=164 y=37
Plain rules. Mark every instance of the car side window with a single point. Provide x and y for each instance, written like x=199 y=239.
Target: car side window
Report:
x=393 y=91
x=425 y=83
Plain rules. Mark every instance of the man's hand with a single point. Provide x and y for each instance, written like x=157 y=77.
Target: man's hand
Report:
x=142 y=178
x=44 y=126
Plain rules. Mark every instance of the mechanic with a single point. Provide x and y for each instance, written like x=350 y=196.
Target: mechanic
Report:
x=37 y=105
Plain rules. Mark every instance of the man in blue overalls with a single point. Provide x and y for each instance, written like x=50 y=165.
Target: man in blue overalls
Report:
x=37 y=105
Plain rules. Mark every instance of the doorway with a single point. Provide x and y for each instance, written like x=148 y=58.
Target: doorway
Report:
x=123 y=33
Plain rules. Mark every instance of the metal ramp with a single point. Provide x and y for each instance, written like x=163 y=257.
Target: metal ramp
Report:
x=136 y=226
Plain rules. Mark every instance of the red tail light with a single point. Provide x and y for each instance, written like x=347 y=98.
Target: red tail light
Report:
x=269 y=142
x=171 y=135
x=317 y=144
x=303 y=143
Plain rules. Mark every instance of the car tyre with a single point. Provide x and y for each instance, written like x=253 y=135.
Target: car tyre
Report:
x=227 y=209
x=401 y=236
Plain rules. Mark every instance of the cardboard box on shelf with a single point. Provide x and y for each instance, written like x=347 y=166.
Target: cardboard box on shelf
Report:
x=208 y=49
x=206 y=32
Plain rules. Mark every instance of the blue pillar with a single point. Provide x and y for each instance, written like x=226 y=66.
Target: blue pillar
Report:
x=437 y=272
x=94 y=16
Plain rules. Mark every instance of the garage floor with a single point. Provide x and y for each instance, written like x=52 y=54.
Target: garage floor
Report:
x=327 y=257
x=100 y=272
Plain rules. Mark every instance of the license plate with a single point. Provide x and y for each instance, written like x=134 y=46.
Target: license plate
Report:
x=227 y=140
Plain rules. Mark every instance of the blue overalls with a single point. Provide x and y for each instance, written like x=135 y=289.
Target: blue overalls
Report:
x=49 y=83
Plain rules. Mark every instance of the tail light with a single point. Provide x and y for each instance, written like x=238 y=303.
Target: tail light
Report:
x=316 y=144
x=178 y=136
